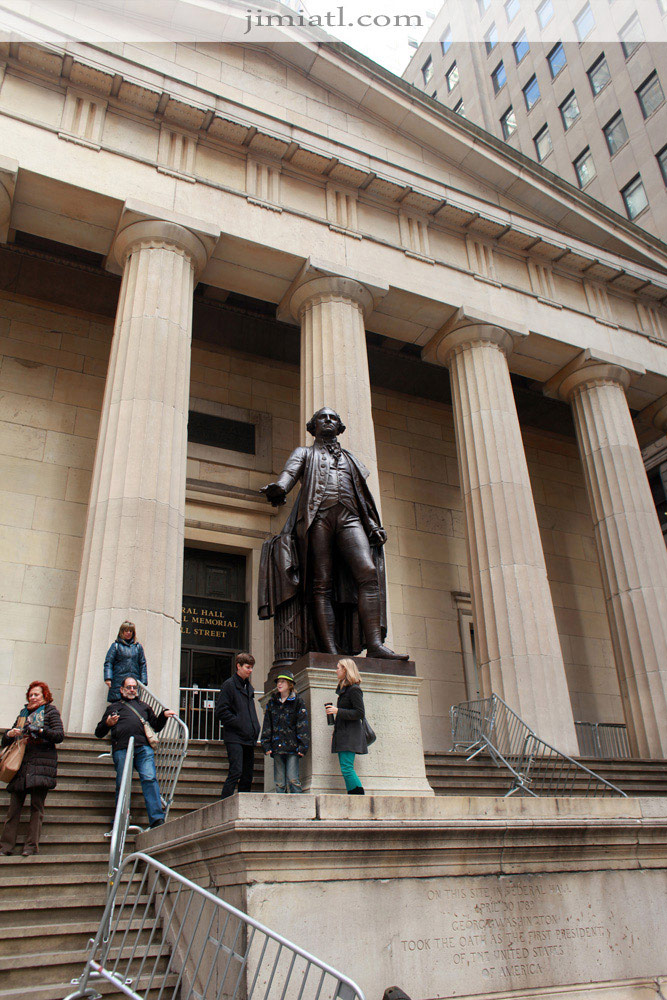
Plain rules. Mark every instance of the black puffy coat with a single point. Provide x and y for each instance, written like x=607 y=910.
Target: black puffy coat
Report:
x=285 y=728
x=348 y=734
x=235 y=709
x=39 y=767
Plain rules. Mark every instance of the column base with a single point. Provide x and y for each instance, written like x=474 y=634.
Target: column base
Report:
x=394 y=764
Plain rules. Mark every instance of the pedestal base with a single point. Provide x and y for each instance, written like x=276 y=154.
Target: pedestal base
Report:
x=394 y=764
x=453 y=896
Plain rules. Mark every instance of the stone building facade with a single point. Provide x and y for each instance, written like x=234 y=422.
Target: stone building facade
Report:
x=578 y=87
x=246 y=232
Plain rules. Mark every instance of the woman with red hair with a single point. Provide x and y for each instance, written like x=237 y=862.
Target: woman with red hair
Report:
x=39 y=721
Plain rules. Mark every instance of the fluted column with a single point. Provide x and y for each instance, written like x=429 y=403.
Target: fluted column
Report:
x=132 y=565
x=515 y=627
x=631 y=549
x=331 y=310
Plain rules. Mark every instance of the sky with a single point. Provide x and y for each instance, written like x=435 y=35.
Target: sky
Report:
x=385 y=43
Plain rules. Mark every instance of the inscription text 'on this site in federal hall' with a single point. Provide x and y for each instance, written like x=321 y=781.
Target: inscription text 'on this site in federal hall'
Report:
x=484 y=935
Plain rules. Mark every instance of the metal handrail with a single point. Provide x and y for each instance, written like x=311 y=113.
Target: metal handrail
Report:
x=537 y=768
x=171 y=751
x=165 y=933
x=121 y=820
x=603 y=739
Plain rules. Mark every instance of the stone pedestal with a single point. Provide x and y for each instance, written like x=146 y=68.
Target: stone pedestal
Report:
x=631 y=548
x=449 y=896
x=394 y=764
x=132 y=563
x=516 y=635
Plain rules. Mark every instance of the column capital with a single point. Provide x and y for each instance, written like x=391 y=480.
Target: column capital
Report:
x=320 y=278
x=465 y=328
x=588 y=368
x=8 y=172
x=141 y=223
x=655 y=413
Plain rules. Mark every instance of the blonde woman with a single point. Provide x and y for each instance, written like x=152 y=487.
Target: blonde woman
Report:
x=348 y=735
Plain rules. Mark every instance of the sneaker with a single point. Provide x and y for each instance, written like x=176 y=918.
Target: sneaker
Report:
x=156 y=822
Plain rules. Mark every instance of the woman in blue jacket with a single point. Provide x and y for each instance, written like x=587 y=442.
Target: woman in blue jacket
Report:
x=125 y=658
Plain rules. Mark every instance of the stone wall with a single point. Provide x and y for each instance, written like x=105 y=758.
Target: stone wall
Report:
x=52 y=367
x=51 y=383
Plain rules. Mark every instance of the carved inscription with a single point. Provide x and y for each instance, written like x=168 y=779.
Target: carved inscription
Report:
x=508 y=929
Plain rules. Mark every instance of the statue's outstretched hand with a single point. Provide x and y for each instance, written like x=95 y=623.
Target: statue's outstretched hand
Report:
x=378 y=537
x=275 y=494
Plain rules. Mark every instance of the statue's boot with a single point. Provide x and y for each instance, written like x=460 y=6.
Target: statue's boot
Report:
x=325 y=623
x=383 y=652
x=369 y=613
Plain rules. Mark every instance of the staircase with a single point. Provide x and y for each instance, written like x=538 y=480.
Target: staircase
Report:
x=51 y=905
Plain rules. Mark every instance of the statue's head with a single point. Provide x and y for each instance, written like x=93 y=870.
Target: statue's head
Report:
x=325 y=423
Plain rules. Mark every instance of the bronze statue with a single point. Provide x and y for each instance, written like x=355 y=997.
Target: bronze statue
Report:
x=325 y=571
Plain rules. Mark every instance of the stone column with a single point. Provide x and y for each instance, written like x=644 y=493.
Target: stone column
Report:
x=132 y=565
x=631 y=549
x=515 y=627
x=331 y=309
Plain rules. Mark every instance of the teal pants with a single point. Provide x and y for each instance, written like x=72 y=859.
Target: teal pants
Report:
x=350 y=776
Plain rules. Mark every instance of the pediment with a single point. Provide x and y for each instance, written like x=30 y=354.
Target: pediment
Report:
x=322 y=109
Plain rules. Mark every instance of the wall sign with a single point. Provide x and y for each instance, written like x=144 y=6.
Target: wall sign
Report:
x=207 y=622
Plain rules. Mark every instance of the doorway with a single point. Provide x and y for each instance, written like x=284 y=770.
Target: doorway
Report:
x=214 y=622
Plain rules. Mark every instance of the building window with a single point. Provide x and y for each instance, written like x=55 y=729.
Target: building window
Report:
x=508 y=123
x=584 y=167
x=446 y=40
x=543 y=144
x=531 y=93
x=459 y=108
x=569 y=110
x=427 y=70
x=615 y=133
x=650 y=95
x=511 y=9
x=452 y=77
x=521 y=47
x=584 y=23
x=634 y=197
x=220 y=432
x=499 y=77
x=483 y=6
x=491 y=38
x=556 y=59
x=662 y=160
x=631 y=36
x=599 y=75
x=546 y=11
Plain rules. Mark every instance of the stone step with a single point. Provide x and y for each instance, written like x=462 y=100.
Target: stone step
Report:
x=47 y=937
x=30 y=969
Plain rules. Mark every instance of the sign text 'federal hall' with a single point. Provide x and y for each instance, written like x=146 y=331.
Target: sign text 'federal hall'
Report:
x=212 y=623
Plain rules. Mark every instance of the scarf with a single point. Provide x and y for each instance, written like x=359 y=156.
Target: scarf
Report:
x=28 y=718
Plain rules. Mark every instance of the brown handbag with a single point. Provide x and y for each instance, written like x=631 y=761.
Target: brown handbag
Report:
x=11 y=759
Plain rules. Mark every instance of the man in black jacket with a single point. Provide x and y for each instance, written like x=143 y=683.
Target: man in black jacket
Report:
x=125 y=718
x=235 y=709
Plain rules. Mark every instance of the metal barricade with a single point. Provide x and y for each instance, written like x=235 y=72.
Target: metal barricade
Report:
x=603 y=739
x=536 y=767
x=171 y=751
x=170 y=939
x=468 y=721
x=197 y=708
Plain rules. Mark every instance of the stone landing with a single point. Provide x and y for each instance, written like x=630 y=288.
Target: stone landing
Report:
x=448 y=897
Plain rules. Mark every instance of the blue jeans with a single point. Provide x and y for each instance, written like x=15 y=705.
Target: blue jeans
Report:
x=144 y=763
x=350 y=776
x=286 y=772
